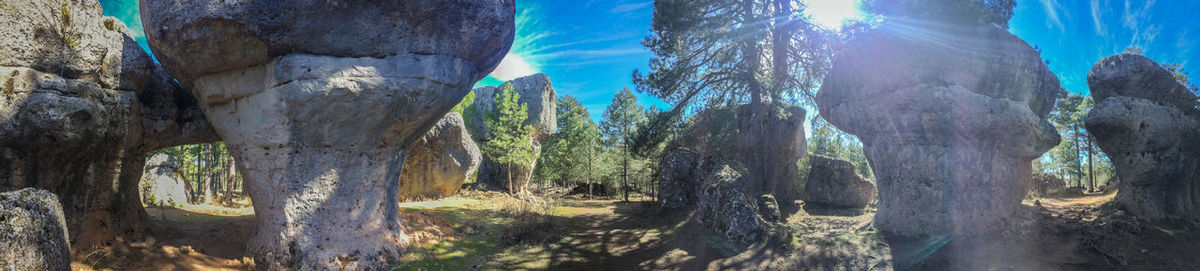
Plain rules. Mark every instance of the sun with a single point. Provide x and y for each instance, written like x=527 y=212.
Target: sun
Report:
x=832 y=13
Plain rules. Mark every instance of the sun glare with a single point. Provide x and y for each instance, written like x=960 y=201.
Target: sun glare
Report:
x=832 y=13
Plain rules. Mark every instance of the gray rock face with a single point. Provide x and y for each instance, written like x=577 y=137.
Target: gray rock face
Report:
x=33 y=231
x=1136 y=76
x=768 y=208
x=440 y=161
x=837 y=183
x=1147 y=124
x=541 y=104
x=197 y=38
x=725 y=208
x=1047 y=185
x=165 y=185
x=535 y=91
x=321 y=103
x=80 y=105
x=680 y=179
x=950 y=128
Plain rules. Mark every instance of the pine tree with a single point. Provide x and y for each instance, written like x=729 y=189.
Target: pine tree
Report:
x=621 y=120
x=510 y=142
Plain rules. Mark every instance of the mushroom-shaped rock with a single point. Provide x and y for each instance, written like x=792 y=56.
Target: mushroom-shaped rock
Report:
x=320 y=102
x=950 y=118
x=33 y=231
x=441 y=161
x=837 y=183
x=1148 y=125
x=80 y=105
x=541 y=102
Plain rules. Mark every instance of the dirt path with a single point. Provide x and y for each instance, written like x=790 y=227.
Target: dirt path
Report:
x=201 y=238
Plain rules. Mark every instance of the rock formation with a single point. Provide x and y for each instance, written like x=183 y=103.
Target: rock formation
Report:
x=541 y=100
x=320 y=104
x=680 y=178
x=724 y=207
x=440 y=161
x=164 y=185
x=80 y=105
x=950 y=117
x=1149 y=125
x=837 y=183
x=1047 y=185
x=33 y=231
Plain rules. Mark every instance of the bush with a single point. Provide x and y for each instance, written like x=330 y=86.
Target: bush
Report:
x=532 y=223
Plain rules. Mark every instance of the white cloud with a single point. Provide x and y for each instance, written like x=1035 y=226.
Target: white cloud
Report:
x=1095 y=5
x=1051 y=7
x=513 y=66
x=622 y=8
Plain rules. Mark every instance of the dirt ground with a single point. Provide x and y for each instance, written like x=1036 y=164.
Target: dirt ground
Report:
x=472 y=233
x=202 y=237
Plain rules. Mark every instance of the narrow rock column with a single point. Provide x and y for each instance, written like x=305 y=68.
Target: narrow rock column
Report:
x=320 y=103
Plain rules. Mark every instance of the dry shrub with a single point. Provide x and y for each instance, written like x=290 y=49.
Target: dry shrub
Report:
x=532 y=222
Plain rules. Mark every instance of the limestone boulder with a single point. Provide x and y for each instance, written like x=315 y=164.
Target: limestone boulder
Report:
x=193 y=39
x=321 y=103
x=163 y=183
x=1047 y=185
x=724 y=207
x=441 y=161
x=680 y=178
x=33 y=231
x=837 y=183
x=950 y=124
x=1148 y=126
x=80 y=105
x=768 y=208
x=535 y=91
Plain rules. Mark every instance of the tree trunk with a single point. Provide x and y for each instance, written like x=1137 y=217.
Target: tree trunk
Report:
x=625 y=172
x=750 y=51
x=206 y=177
x=589 y=174
x=1076 y=163
x=1091 y=172
x=781 y=33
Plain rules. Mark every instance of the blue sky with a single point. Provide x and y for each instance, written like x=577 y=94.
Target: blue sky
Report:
x=589 y=48
x=1075 y=34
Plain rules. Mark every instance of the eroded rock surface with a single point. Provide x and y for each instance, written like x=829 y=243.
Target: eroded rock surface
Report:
x=680 y=178
x=837 y=183
x=80 y=105
x=950 y=124
x=541 y=101
x=164 y=185
x=724 y=207
x=1149 y=126
x=33 y=231
x=321 y=103
x=440 y=161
